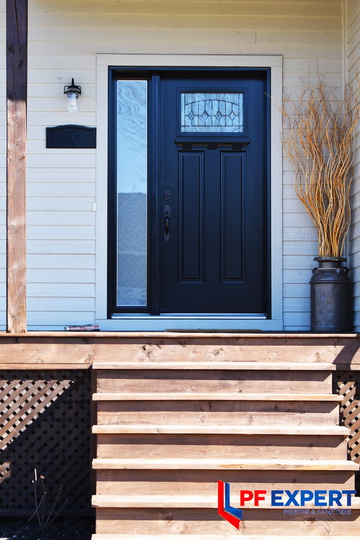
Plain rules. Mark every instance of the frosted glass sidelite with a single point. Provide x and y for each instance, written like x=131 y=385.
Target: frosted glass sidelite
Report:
x=212 y=112
x=131 y=193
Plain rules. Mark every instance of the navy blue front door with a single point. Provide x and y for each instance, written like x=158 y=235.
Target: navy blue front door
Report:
x=212 y=193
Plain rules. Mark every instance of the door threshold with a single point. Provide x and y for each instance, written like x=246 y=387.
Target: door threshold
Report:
x=191 y=316
x=136 y=322
x=214 y=330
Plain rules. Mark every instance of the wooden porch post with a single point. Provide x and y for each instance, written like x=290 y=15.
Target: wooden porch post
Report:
x=16 y=92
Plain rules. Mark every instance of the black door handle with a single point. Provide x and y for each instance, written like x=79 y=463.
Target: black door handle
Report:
x=167 y=213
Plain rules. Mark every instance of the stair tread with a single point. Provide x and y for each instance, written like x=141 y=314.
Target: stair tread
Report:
x=271 y=366
x=271 y=429
x=223 y=464
x=184 y=501
x=226 y=396
x=212 y=537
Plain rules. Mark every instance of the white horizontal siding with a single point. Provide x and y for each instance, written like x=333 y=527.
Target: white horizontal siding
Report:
x=60 y=204
x=63 y=233
x=296 y=290
x=56 y=261
x=66 y=304
x=64 y=174
x=296 y=233
x=61 y=189
x=180 y=19
x=61 y=218
x=297 y=275
x=70 y=290
x=64 y=37
x=61 y=246
x=191 y=7
x=61 y=275
x=353 y=70
x=300 y=248
x=55 y=118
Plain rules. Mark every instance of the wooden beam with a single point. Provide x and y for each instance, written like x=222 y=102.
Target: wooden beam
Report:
x=16 y=92
x=139 y=351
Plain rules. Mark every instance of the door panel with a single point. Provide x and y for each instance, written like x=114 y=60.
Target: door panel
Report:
x=191 y=242
x=232 y=230
x=212 y=191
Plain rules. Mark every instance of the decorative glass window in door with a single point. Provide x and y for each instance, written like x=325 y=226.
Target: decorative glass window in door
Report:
x=216 y=112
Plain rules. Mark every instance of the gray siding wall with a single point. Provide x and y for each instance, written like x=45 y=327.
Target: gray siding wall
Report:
x=352 y=26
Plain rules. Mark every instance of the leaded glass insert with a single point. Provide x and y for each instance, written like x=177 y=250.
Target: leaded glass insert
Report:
x=218 y=112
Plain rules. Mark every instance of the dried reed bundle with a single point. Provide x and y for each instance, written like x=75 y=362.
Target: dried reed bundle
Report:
x=318 y=142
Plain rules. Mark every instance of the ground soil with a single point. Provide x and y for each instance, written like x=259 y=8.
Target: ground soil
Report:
x=60 y=529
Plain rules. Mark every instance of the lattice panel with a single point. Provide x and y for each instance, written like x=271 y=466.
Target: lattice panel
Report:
x=45 y=424
x=347 y=384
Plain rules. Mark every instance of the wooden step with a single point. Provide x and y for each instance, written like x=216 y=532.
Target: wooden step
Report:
x=187 y=501
x=214 y=381
x=258 y=366
x=212 y=537
x=218 y=412
x=204 y=521
x=153 y=501
x=204 y=482
x=231 y=396
x=231 y=445
x=222 y=464
x=114 y=429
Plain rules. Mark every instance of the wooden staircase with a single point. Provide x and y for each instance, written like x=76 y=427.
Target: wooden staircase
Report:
x=167 y=431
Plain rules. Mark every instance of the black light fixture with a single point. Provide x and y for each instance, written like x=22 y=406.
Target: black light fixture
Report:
x=72 y=91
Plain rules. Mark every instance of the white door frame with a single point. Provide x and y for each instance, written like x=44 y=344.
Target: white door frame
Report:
x=146 y=322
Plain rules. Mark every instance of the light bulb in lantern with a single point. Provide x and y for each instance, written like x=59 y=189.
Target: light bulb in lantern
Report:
x=72 y=91
x=72 y=102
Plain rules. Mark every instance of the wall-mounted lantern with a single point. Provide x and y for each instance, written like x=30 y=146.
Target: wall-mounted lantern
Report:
x=72 y=91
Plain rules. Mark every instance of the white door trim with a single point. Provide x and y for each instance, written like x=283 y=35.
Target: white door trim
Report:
x=145 y=322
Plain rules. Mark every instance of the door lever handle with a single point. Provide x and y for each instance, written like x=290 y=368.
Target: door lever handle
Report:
x=167 y=213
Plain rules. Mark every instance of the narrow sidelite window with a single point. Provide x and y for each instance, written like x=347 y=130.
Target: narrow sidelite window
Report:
x=131 y=278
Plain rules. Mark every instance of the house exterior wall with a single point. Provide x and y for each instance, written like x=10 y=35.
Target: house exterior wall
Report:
x=352 y=25
x=2 y=163
x=64 y=39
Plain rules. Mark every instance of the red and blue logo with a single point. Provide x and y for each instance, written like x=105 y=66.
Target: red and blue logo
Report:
x=282 y=498
x=231 y=514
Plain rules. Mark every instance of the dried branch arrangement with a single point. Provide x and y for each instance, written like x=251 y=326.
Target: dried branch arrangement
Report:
x=317 y=137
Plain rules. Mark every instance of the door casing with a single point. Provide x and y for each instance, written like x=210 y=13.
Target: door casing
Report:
x=144 y=321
